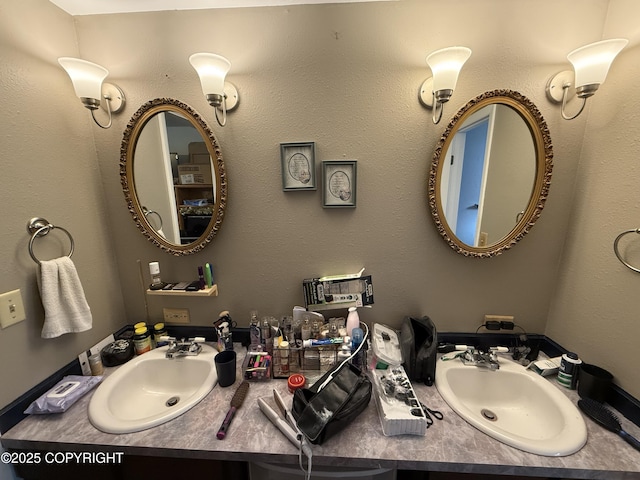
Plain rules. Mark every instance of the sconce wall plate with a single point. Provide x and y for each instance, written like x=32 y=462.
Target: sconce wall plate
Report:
x=556 y=83
x=426 y=93
x=231 y=93
x=114 y=95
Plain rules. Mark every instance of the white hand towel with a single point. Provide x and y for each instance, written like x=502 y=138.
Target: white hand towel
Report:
x=65 y=306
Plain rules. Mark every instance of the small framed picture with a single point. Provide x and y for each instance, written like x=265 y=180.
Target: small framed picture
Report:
x=298 y=166
x=339 y=183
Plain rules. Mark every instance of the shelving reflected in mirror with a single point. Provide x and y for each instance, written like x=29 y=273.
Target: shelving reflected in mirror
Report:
x=173 y=176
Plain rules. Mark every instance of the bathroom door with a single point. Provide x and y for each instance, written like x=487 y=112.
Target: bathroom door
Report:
x=472 y=181
x=154 y=179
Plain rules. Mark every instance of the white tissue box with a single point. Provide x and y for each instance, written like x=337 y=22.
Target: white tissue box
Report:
x=547 y=367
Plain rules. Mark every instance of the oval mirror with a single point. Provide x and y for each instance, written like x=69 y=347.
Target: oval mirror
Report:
x=173 y=176
x=490 y=174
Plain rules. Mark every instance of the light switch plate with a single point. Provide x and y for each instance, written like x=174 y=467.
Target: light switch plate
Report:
x=11 y=308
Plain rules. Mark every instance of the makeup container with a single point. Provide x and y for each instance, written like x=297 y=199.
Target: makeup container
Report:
x=257 y=366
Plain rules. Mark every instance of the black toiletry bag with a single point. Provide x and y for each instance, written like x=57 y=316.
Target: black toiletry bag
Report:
x=419 y=345
x=344 y=397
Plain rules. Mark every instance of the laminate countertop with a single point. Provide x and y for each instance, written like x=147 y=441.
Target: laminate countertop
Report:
x=450 y=445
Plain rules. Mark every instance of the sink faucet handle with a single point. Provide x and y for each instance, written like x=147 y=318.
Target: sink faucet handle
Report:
x=450 y=347
x=499 y=349
x=197 y=340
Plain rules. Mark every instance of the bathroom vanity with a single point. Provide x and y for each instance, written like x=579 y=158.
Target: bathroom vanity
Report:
x=450 y=445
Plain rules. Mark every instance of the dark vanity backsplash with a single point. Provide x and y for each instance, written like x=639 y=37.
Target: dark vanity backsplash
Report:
x=622 y=401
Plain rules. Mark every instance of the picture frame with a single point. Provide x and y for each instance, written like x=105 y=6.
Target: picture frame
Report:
x=298 y=166
x=339 y=183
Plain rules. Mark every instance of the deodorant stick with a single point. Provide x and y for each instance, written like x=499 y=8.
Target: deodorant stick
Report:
x=154 y=270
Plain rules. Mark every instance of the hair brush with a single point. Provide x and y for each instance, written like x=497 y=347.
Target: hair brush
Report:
x=236 y=403
x=605 y=417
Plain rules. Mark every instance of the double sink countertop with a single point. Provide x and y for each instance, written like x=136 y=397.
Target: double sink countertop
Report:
x=450 y=445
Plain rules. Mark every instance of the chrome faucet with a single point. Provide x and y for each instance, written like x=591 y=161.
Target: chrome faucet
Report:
x=183 y=348
x=481 y=358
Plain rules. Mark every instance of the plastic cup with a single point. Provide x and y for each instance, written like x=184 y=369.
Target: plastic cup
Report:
x=225 y=362
x=594 y=382
x=95 y=363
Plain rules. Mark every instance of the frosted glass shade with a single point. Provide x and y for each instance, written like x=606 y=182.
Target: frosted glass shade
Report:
x=445 y=65
x=87 y=77
x=591 y=62
x=211 y=69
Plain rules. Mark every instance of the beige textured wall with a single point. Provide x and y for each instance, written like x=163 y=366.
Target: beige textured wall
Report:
x=344 y=76
x=595 y=308
x=49 y=169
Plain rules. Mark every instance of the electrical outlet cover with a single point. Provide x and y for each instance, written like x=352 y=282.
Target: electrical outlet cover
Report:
x=84 y=363
x=176 y=315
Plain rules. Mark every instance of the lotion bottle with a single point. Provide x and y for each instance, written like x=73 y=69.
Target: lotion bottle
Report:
x=353 y=320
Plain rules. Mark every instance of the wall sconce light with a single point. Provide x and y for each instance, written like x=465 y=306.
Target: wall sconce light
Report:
x=87 y=79
x=221 y=95
x=445 y=65
x=590 y=64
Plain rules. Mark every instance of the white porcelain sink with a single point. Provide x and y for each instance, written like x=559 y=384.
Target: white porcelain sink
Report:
x=151 y=389
x=513 y=405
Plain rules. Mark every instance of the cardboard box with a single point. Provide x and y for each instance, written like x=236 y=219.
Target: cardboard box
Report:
x=199 y=154
x=335 y=292
x=197 y=147
x=201 y=158
x=192 y=173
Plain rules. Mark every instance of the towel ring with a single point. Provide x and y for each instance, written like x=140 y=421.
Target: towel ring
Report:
x=148 y=212
x=617 y=252
x=39 y=227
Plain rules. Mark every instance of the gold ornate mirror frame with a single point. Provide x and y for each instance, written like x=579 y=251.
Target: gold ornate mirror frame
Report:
x=127 y=151
x=542 y=181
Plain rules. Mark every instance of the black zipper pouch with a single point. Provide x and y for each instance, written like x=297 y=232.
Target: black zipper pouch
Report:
x=419 y=345
x=322 y=414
